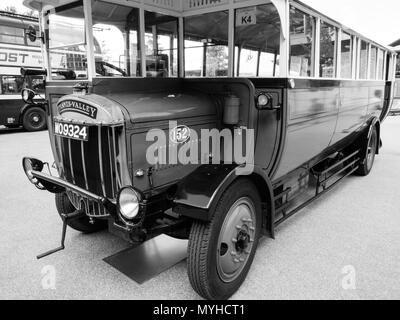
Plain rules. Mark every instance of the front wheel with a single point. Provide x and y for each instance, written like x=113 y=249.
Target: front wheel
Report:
x=34 y=119
x=221 y=251
x=369 y=156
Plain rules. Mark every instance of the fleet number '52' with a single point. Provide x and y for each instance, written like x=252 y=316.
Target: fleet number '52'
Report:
x=73 y=131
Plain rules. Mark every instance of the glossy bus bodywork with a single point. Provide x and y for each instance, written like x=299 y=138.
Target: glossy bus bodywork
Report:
x=308 y=121
x=308 y=133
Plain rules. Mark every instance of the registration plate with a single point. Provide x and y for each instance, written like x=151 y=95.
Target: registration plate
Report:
x=72 y=131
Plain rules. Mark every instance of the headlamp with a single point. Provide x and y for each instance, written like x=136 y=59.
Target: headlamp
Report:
x=28 y=95
x=128 y=202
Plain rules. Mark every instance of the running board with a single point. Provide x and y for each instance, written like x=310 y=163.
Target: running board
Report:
x=325 y=181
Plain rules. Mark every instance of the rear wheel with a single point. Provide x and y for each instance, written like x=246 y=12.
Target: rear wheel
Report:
x=81 y=224
x=369 y=156
x=221 y=251
x=34 y=119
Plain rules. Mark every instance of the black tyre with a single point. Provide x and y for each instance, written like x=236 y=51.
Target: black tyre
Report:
x=221 y=251
x=82 y=224
x=34 y=119
x=369 y=156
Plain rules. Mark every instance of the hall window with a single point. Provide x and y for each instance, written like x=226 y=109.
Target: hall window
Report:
x=327 y=59
x=206 y=45
x=302 y=35
x=346 y=54
x=363 y=72
x=257 y=41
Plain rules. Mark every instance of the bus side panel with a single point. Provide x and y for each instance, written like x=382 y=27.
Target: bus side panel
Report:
x=360 y=101
x=376 y=100
x=312 y=116
x=354 y=100
x=10 y=109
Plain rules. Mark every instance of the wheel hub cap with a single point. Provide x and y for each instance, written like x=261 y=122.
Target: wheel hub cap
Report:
x=243 y=240
x=235 y=242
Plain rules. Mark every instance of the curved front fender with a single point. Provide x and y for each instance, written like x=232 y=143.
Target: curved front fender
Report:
x=199 y=193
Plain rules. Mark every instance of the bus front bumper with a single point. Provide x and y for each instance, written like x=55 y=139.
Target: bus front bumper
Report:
x=43 y=181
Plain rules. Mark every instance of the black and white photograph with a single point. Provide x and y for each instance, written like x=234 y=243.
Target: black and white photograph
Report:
x=177 y=151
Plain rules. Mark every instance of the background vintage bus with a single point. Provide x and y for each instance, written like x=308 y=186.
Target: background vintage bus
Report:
x=16 y=51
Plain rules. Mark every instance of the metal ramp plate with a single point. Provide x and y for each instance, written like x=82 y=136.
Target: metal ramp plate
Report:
x=144 y=262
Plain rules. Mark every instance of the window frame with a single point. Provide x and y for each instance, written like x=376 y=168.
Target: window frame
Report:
x=360 y=43
x=339 y=55
x=335 y=50
x=238 y=51
x=230 y=55
x=231 y=6
x=314 y=44
x=373 y=76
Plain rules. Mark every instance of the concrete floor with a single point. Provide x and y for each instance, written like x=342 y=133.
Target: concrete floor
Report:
x=344 y=246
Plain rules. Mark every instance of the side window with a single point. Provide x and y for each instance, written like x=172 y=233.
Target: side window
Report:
x=206 y=45
x=67 y=44
x=257 y=41
x=381 y=64
x=398 y=67
x=116 y=40
x=11 y=84
x=372 y=64
x=363 y=72
x=37 y=84
x=302 y=35
x=161 y=45
x=12 y=35
x=327 y=59
x=346 y=54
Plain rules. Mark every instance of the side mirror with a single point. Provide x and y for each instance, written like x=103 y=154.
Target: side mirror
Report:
x=29 y=165
x=31 y=33
x=28 y=95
